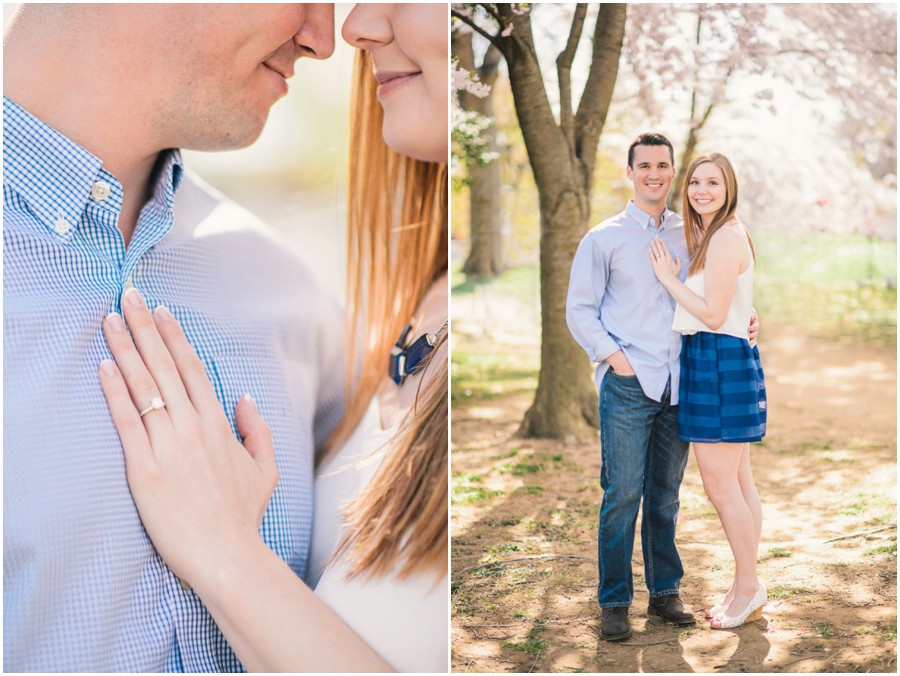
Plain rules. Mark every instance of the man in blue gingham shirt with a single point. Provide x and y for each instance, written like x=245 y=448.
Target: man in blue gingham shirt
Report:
x=84 y=589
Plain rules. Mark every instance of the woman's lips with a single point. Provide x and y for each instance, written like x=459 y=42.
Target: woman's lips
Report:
x=390 y=81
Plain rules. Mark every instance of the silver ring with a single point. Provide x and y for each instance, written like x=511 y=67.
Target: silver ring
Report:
x=155 y=404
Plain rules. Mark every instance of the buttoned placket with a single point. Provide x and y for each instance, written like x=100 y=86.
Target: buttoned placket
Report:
x=101 y=231
x=664 y=298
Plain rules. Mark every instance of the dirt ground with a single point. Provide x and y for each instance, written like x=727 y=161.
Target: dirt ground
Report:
x=524 y=536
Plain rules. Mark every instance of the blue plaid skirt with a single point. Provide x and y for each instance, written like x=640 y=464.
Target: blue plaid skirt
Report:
x=722 y=396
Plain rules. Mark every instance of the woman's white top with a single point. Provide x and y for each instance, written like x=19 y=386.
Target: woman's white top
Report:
x=738 y=318
x=405 y=621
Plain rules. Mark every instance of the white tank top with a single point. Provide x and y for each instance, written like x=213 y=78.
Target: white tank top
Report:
x=738 y=318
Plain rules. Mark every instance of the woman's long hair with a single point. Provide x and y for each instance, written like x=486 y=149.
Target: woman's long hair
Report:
x=397 y=248
x=697 y=237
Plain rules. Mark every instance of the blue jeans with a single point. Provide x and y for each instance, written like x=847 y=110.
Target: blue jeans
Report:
x=643 y=458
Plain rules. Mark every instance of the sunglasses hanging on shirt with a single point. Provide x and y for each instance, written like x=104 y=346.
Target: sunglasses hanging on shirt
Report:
x=407 y=358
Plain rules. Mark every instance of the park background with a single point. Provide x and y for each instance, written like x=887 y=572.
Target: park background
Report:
x=802 y=98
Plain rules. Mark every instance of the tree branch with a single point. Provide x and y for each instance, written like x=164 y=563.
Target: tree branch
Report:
x=474 y=26
x=861 y=534
x=697 y=43
x=609 y=34
x=564 y=71
x=490 y=9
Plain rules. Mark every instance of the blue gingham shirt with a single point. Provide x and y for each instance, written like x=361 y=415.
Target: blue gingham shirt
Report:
x=615 y=302
x=84 y=589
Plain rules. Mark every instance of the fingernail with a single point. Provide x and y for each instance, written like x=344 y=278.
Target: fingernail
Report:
x=250 y=399
x=108 y=366
x=133 y=297
x=114 y=319
x=163 y=312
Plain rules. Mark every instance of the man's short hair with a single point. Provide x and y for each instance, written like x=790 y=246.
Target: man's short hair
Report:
x=650 y=139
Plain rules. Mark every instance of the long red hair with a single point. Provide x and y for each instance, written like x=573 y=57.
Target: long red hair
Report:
x=397 y=249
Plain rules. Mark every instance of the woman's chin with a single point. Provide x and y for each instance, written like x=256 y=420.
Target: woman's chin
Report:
x=423 y=144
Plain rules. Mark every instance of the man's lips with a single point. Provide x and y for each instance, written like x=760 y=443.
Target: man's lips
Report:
x=283 y=70
x=281 y=73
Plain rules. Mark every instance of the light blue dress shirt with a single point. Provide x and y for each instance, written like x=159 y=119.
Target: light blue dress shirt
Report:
x=615 y=301
x=84 y=589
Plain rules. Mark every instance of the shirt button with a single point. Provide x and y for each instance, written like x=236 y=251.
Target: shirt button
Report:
x=62 y=226
x=100 y=190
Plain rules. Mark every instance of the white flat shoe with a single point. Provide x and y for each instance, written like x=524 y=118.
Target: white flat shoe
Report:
x=752 y=612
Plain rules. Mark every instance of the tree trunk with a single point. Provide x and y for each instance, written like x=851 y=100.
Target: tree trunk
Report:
x=565 y=403
x=485 y=258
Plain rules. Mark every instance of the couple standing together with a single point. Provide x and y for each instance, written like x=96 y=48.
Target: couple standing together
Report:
x=189 y=550
x=630 y=301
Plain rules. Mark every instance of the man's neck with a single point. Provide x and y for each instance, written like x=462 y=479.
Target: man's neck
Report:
x=655 y=211
x=89 y=113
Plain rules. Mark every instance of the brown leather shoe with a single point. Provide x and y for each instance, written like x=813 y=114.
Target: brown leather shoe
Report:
x=614 y=624
x=670 y=609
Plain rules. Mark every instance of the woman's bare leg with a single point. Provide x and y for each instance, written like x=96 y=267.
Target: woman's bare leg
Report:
x=751 y=497
x=721 y=471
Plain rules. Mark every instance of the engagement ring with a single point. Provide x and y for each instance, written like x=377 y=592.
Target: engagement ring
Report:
x=155 y=403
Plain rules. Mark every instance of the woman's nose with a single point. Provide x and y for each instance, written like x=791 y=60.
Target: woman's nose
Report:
x=367 y=26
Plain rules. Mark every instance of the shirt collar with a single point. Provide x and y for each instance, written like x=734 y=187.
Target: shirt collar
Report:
x=646 y=220
x=54 y=175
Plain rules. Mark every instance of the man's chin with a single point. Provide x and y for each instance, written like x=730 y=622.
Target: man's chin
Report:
x=240 y=134
x=656 y=198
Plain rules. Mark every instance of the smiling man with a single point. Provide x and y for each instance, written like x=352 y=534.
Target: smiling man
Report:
x=622 y=317
x=96 y=200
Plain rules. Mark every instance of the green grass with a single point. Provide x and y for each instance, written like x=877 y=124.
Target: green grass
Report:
x=484 y=375
x=470 y=494
x=491 y=570
x=522 y=283
x=825 y=629
x=520 y=468
x=469 y=478
x=875 y=505
x=780 y=592
x=531 y=646
x=886 y=549
x=833 y=284
x=889 y=633
x=780 y=552
x=504 y=547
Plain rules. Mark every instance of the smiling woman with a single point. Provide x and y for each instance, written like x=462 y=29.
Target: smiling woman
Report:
x=408 y=44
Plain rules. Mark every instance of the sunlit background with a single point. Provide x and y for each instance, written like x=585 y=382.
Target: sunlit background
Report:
x=293 y=177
